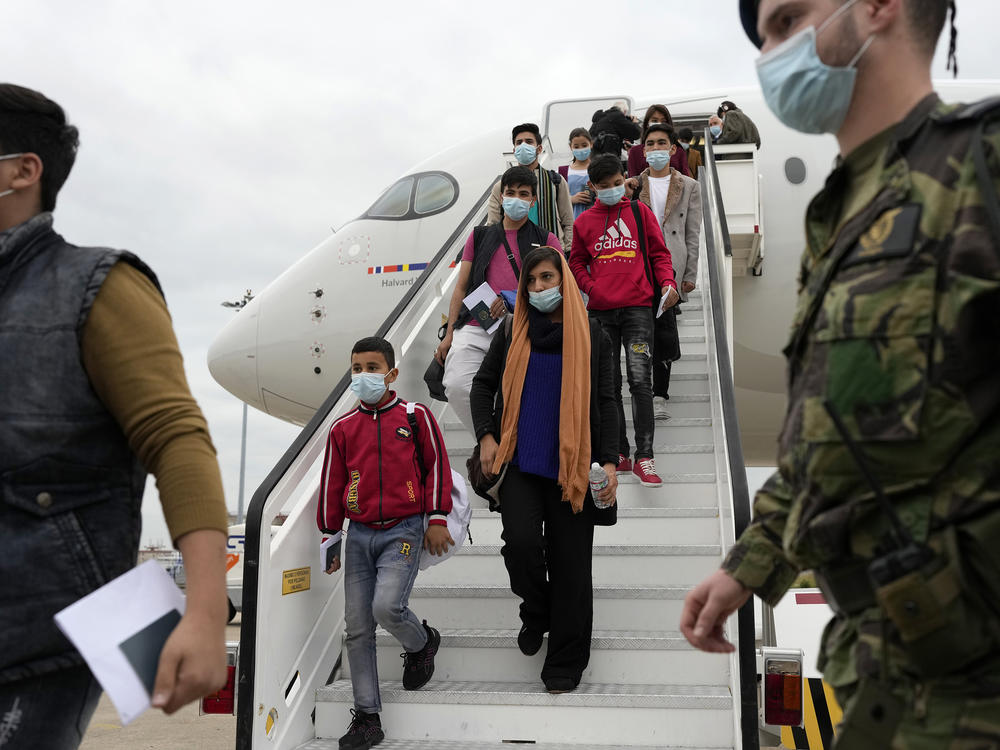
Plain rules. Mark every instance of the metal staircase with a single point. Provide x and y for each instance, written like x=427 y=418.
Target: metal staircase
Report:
x=645 y=686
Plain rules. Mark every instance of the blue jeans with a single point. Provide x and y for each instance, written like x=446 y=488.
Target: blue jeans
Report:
x=632 y=327
x=49 y=711
x=380 y=567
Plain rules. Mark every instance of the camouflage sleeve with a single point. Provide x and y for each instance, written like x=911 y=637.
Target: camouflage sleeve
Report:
x=757 y=560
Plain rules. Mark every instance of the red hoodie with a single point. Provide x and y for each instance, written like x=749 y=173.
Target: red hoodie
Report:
x=605 y=238
x=370 y=470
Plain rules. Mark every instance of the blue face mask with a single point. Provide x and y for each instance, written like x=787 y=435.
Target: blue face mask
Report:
x=368 y=386
x=611 y=196
x=685 y=146
x=5 y=193
x=516 y=208
x=525 y=153
x=715 y=130
x=581 y=154
x=546 y=300
x=805 y=93
x=658 y=160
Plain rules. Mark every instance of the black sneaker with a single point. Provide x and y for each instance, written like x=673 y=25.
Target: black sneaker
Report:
x=529 y=641
x=365 y=732
x=418 y=667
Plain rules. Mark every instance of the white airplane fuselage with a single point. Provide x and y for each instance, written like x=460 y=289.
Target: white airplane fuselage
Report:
x=287 y=349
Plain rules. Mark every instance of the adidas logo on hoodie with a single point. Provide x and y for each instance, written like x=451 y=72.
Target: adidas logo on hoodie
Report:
x=617 y=237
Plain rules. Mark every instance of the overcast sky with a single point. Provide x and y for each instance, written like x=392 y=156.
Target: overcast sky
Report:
x=221 y=141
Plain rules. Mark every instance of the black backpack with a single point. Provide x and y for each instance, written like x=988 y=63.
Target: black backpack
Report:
x=607 y=142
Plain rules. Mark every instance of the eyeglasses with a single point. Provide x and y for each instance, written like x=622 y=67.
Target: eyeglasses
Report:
x=10 y=156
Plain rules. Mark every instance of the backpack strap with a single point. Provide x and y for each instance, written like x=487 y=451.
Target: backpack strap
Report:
x=987 y=185
x=556 y=176
x=640 y=227
x=411 y=417
x=510 y=254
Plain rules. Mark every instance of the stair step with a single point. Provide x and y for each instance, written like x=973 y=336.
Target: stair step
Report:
x=639 y=564
x=598 y=713
x=616 y=607
x=616 y=657
x=636 y=524
x=391 y=744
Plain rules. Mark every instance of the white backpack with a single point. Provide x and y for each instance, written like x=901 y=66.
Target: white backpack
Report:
x=461 y=511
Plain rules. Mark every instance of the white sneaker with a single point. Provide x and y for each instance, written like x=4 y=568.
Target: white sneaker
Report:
x=660 y=408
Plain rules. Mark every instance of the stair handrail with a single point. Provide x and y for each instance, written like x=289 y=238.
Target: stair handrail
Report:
x=719 y=261
x=249 y=709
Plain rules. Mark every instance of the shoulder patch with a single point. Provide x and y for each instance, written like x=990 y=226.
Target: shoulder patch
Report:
x=891 y=235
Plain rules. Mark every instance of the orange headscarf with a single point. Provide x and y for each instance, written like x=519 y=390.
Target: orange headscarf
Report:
x=574 y=403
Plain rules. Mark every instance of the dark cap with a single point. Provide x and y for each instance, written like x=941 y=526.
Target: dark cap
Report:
x=748 y=15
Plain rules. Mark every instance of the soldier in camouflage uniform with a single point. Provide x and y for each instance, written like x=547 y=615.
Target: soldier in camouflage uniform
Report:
x=897 y=331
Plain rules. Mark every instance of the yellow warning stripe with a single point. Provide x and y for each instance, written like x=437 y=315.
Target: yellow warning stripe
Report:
x=820 y=716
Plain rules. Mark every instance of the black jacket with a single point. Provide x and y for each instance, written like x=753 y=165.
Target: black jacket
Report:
x=487 y=397
x=615 y=121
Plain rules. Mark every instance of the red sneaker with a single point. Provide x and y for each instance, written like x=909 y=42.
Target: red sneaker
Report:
x=646 y=473
x=624 y=464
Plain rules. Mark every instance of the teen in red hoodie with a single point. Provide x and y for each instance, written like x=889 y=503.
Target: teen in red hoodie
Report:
x=372 y=476
x=608 y=263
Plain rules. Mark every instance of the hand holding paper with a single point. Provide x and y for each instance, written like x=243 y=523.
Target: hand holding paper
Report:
x=329 y=554
x=669 y=299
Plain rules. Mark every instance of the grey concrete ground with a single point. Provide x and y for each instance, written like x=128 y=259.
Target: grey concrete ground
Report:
x=185 y=730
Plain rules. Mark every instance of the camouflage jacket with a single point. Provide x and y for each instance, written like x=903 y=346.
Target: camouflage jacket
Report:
x=898 y=326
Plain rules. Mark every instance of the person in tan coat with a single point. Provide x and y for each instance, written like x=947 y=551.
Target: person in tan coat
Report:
x=676 y=202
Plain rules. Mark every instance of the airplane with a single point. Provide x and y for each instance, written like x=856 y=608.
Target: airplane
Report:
x=286 y=349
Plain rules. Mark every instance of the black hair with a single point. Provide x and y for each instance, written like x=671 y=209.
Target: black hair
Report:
x=532 y=259
x=658 y=128
x=376 y=344
x=656 y=109
x=604 y=166
x=726 y=106
x=32 y=123
x=580 y=133
x=527 y=127
x=685 y=134
x=517 y=177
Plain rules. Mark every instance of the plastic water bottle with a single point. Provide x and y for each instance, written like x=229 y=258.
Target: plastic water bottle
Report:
x=598 y=481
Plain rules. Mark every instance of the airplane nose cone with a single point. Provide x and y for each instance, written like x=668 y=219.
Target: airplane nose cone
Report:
x=232 y=356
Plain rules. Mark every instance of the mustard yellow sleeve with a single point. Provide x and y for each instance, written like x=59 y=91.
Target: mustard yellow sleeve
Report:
x=131 y=356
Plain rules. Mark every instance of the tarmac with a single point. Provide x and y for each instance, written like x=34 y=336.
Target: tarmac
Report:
x=154 y=730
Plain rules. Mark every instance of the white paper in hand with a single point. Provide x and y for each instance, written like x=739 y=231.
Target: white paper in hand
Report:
x=120 y=629
x=478 y=303
x=665 y=300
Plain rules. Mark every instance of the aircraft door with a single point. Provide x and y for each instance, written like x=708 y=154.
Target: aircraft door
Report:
x=562 y=115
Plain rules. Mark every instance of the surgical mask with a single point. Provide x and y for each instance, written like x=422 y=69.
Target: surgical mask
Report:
x=805 y=93
x=5 y=193
x=525 y=153
x=516 y=208
x=658 y=160
x=715 y=130
x=368 y=386
x=611 y=196
x=685 y=146
x=546 y=300
x=581 y=154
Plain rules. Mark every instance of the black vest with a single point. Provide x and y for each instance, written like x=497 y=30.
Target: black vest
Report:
x=71 y=486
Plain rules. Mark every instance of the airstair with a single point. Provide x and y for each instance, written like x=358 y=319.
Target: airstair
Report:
x=645 y=686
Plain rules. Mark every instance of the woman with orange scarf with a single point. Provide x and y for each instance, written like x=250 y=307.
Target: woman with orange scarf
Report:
x=544 y=407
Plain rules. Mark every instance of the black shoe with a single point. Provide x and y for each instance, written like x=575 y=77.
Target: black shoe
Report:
x=418 y=667
x=558 y=685
x=529 y=641
x=365 y=732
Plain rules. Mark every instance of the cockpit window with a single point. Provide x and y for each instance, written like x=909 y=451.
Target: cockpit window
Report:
x=395 y=202
x=434 y=192
x=415 y=196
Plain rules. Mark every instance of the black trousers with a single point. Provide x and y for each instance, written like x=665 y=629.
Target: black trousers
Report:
x=547 y=549
x=666 y=349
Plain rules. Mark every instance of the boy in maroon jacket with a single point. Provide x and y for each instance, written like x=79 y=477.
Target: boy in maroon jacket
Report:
x=372 y=476
x=608 y=263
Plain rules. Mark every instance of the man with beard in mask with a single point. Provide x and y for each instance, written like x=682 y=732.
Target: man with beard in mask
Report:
x=888 y=482
x=92 y=395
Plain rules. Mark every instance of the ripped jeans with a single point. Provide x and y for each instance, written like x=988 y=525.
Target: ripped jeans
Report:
x=632 y=327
